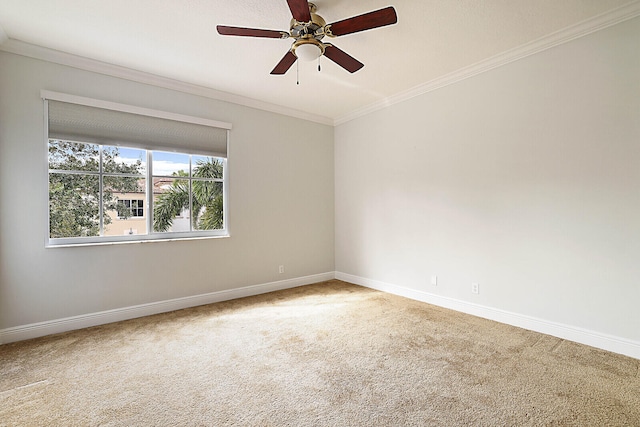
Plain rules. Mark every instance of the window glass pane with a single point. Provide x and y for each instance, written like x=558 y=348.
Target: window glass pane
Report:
x=73 y=156
x=119 y=193
x=207 y=167
x=170 y=204
x=120 y=196
x=131 y=161
x=74 y=205
x=208 y=205
x=170 y=164
x=124 y=188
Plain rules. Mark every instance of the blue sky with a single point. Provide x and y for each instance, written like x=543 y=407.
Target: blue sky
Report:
x=164 y=163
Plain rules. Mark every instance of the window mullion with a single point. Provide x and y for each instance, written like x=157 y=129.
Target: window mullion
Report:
x=149 y=195
x=191 y=219
x=100 y=195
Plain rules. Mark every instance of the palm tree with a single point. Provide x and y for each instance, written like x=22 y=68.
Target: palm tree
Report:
x=207 y=211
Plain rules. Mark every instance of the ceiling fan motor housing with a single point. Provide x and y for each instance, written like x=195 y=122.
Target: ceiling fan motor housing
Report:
x=308 y=36
x=313 y=29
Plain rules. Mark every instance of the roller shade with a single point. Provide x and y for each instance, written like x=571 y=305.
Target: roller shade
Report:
x=83 y=123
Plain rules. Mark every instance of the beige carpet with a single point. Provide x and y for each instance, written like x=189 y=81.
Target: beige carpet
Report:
x=330 y=354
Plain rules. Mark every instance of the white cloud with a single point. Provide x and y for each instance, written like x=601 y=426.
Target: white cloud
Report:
x=163 y=167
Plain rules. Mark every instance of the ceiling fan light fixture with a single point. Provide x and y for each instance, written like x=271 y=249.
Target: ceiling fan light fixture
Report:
x=308 y=52
x=308 y=49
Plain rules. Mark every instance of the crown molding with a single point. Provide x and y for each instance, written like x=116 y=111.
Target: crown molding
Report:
x=63 y=58
x=581 y=29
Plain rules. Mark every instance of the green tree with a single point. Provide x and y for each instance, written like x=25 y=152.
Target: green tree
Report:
x=74 y=198
x=207 y=198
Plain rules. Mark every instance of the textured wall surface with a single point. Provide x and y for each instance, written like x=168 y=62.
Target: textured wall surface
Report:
x=280 y=205
x=524 y=179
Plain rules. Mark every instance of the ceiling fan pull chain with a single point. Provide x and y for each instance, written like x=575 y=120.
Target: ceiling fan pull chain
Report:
x=319 y=63
x=297 y=72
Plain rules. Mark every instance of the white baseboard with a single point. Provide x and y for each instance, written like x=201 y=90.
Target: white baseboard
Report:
x=571 y=333
x=40 y=329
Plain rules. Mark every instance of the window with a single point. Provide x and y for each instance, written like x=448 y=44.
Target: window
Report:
x=90 y=186
x=119 y=176
x=130 y=208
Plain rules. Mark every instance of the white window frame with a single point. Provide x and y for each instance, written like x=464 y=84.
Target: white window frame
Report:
x=151 y=236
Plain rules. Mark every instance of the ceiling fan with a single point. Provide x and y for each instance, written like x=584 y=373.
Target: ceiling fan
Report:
x=308 y=29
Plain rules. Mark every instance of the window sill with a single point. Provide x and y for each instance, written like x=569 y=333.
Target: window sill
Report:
x=130 y=242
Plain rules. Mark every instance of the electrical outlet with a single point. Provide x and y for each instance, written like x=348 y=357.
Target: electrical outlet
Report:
x=281 y=269
x=434 y=280
x=475 y=288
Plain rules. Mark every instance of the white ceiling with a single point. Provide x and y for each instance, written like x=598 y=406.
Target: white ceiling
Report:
x=433 y=39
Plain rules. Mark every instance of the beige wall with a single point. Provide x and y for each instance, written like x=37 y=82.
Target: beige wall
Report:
x=525 y=179
x=280 y=205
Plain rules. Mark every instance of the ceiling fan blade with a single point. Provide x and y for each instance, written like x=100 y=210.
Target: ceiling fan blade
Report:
x=300 y=10
x=285 y=63
x=342 y=58
x=367 y=21
x=251 y=32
